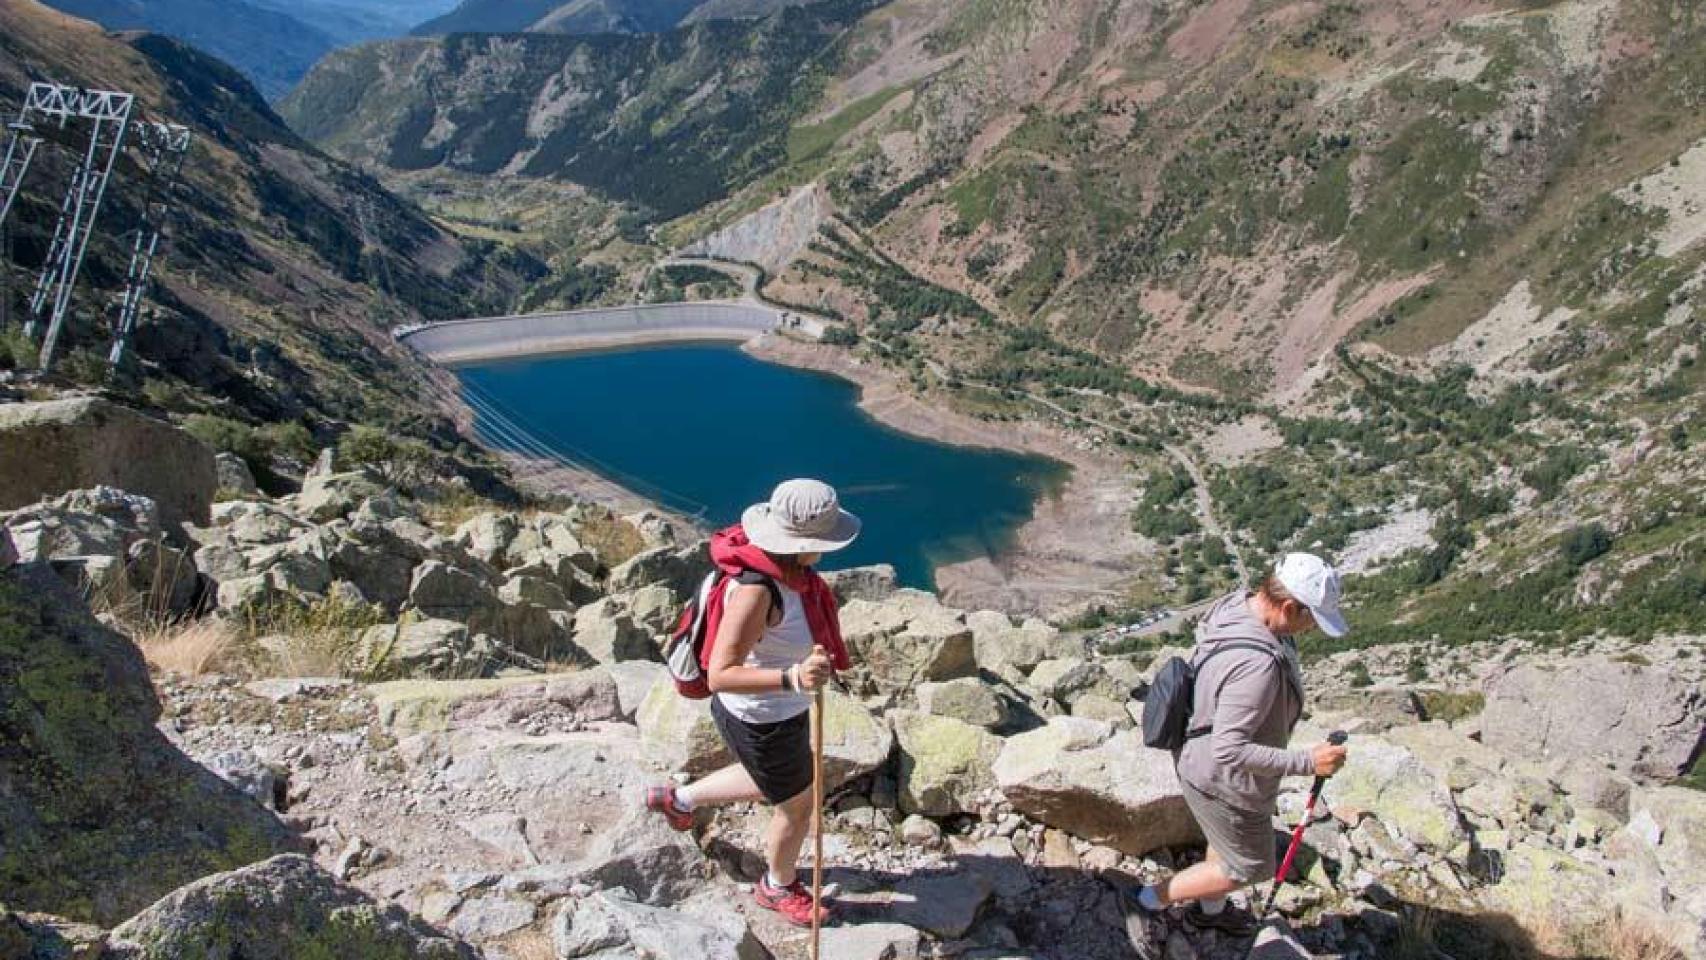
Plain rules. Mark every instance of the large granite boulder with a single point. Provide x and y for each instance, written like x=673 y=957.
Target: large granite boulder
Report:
x=876 y=583
x=285 y=908
x=1392 y=784
x=908 y=639
x=1645 y=720
x=968 y=699
x=101 y=814
x=679 y=733
x=59 y=445
x=944 y=763
x=678 y=568
x=611 y=925
x=1012 y=651
x=440 y=590
x=1107 y=788
x=606 y=632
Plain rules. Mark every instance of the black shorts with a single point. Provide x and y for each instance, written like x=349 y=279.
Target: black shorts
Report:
x=778 y=756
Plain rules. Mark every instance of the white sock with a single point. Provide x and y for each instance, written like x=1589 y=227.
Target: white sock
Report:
x=684 y=800
x=1212 y=905
x=771 y=881
x=1150 y=897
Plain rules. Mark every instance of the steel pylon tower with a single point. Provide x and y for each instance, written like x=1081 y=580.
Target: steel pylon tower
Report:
x=21 y=143
x=109 y=115
x=164 y=146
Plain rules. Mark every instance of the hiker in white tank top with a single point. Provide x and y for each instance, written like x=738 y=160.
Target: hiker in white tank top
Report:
x=784 y=643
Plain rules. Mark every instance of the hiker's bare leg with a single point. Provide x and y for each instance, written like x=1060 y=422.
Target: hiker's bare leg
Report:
x=1204 y=881
x=789 y=825
x=732 y=784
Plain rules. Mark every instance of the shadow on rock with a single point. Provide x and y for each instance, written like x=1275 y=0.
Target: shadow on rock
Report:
x=101 y=814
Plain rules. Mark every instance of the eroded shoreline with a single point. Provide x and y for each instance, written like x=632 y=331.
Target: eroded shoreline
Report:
x=1076 y=549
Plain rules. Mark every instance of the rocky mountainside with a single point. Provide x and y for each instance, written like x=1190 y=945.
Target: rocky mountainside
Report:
x=350 y=22
x=455 y=717
x=1416 y=282
x=592 y=16
x=283 y=268
x=670 y=122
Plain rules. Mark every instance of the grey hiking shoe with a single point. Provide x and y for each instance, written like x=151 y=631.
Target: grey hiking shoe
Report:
x=1145 y=929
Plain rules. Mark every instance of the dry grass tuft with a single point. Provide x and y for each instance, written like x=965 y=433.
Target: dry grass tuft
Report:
x=1630 y=939
x=193 y=649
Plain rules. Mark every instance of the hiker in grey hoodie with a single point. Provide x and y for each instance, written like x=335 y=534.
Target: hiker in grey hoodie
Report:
x=1245 y=703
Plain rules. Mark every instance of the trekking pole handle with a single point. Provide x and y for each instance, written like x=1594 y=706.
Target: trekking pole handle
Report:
x=1338 y=738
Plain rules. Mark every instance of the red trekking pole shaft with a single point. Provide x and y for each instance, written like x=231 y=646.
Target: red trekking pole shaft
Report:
x=1336 y=738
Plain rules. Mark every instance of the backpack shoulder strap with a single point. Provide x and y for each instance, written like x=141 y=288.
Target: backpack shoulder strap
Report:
x=753 y=578
x=1215 y=651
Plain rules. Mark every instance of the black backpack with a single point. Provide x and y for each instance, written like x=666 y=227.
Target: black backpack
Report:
x=1168 y=700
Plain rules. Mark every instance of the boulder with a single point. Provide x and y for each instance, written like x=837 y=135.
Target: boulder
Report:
x=654 y=609
x=1644 y=720
x=855 y=740
x=408 y=707
x=252 y=523
x=330 y=496
x=944 y=763
x=871 y=941
x=1064 y=680
x=383 y=577
x=679 y=733
x=1390 y=783
x=608 y=925
x=967 y=699
x=1013 y=651
x=908 y=639
x=101 y=814
x=1377 y=708
x=245 y=771
x=607 y=633
x=634 y=681
x=641 y=855
x=875 y=583
x=235 y=477
x=281 y=909
x=446 y=592
x=535 y=590
x=1540 y=884
x=61 y=445
x=1107 y=788
x=488 y=535
x=678 y=568
x=436 y=649
x=1679 y=818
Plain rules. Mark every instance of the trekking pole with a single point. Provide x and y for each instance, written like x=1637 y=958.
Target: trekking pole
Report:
x=1336 y=738
x=817 y=817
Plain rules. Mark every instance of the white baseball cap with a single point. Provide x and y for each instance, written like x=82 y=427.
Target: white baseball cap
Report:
x=1315 y=584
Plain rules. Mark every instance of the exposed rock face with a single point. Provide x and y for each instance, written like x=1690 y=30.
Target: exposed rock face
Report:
x=1110 y=789
x=235 y=475
x=876 y=582
x=1646 y=720
x=283 y=909
x=908 y=639
x=772 y=236
x=100 y=813
x=968 y=699
x=944 y=763
x=1391 y=783
x=61 y=445
x=608 y=924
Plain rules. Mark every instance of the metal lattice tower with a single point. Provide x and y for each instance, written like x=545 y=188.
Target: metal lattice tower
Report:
x=21 y=143
x=108 y=113
x=164 y=146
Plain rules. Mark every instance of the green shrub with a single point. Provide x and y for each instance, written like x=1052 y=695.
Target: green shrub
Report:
x=231 y=436
x=1585 y=543
x=400 y=462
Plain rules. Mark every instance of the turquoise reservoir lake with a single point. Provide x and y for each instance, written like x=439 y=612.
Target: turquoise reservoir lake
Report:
x=707 y=429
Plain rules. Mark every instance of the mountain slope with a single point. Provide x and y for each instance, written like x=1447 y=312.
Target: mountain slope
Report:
x=1415 y=281
x=273 y=49
x=356 y=21
x=592 y=16
x=671 y=121
x=283 y=268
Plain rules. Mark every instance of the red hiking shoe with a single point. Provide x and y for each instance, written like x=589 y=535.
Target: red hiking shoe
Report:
x=793 y=902
x=662 y=800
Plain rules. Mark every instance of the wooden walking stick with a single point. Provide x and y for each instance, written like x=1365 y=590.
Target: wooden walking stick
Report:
x=817 y=817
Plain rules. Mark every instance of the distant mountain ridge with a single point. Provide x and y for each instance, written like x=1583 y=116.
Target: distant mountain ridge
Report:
x=273 y=49
x=591 y=16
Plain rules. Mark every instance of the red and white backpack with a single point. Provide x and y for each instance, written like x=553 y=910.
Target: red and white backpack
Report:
x=689 y=654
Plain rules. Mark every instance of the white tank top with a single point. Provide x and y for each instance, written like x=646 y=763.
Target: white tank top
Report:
x=779 y=647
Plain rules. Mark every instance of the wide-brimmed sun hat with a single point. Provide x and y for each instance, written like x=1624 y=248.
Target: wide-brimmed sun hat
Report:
x=803 y=516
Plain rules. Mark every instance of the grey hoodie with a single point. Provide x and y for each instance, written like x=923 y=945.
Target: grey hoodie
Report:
x=1253 y=699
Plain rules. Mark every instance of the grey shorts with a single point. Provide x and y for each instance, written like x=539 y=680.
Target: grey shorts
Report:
x=1243 y=840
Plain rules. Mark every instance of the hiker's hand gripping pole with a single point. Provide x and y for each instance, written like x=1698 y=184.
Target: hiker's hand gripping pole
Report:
x=1337 y=738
